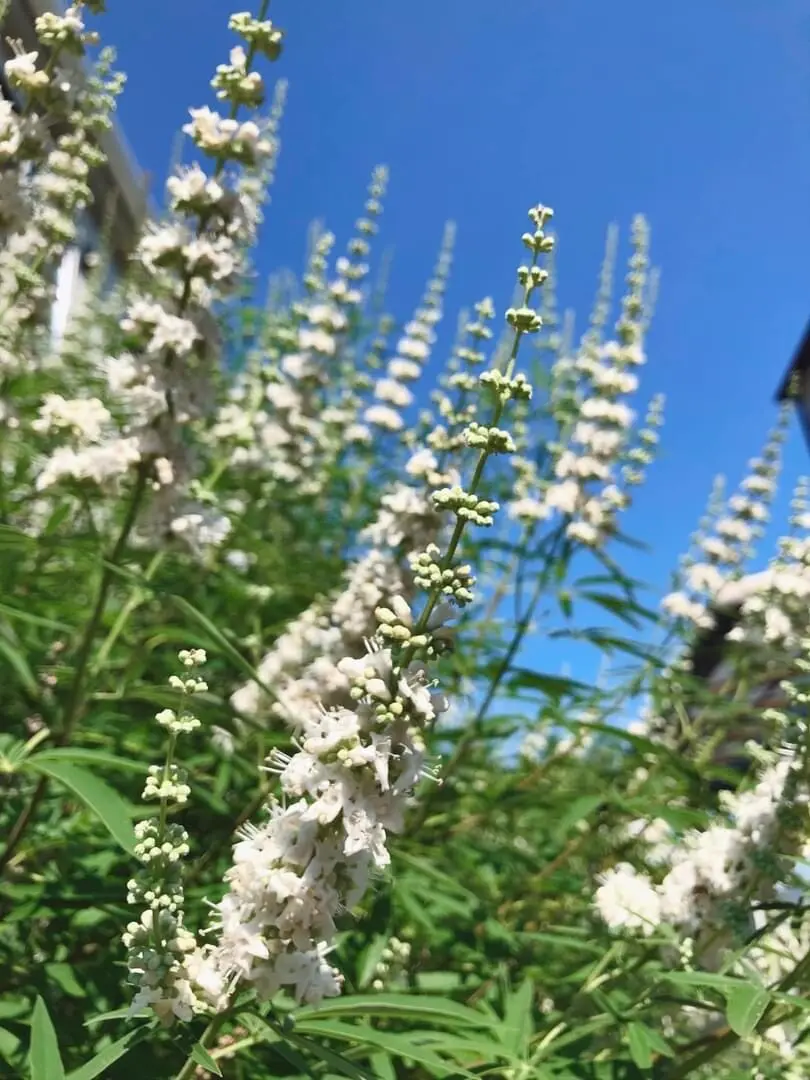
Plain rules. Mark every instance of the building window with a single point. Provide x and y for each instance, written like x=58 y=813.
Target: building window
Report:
x=70 y=276
x=67 y=279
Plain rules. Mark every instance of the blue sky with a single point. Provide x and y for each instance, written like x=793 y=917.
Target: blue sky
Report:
x=696 y=114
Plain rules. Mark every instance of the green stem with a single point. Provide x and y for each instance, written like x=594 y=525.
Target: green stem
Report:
x=138 y=596
x=455 y=539
x=76 y=694
x=474 y=729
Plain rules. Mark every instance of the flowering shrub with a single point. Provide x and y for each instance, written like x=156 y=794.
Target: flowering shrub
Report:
x=280 y=794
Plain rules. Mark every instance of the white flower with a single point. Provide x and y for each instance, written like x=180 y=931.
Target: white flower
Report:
x=202 y=528
x=528 y=509
x=421 y=463
x=680 y=606
x=403 y=370
x=586 y=534
x=705 y=577
x=317 y=340
x=394 y=392
x=384 y=417
x=626 y=899
x=86 y=417
x=563 y=497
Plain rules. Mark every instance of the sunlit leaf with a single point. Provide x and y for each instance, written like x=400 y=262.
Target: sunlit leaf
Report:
x=98 y=797
x=43 y=1057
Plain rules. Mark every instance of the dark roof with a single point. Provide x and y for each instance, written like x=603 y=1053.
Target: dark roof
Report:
x=796 y=374
x=793 y=386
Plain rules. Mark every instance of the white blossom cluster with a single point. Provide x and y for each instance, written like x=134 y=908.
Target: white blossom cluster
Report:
x=595 y=460
x=302 y=668
x=43 y=179
x=705 y=867
x=713 y=876
x=724 y=544
x=393 y=959
x=160 y=381
x=391 y=392
x=297 y=406
x=159 y=946
x=348 y=784
x=302 y=665
x=456 y=397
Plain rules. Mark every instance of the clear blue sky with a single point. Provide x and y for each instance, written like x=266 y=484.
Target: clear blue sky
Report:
x=695 y=113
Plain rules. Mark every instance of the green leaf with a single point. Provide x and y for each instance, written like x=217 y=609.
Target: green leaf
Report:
x=622 y=607
x=9 y=1044
x=562 y=941
x=727 y=984
x=745 y=1007
x=91 y=757
x=383 y=1067
x=517 y=1018
x=580 y=808
x=404 y=1006
x=641 y=1047
x=371 y=957
x=258 y=1028
x=99 y=797
x=115 y=1014
x=34 y=620
x=202 y=1057
x=17 y=660
x=465 y=1045
x=44 y=1059
x=401 y=1046
x=219 y=640
x=553 y=686
x=425 y=867
x=298 y=1061
x=62 y=974
x=97 y=1065
x=434 y=982
x=329 y=1057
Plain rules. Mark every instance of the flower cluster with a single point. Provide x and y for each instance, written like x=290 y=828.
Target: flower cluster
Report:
x=44 y=184
x=296 y=407
x=725 y=542
x=302 y=668
x=412 y=350
x=158 y=944
x=713 y=876
x=595 y=460
x=161 y=379
x=347 y=785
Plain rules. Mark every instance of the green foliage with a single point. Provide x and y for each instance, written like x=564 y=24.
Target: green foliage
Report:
x=480 y=953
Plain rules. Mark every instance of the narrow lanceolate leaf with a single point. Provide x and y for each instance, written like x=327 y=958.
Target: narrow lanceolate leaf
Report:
x=97 y=1066
x=44 y=1059
x=336 y=1062
x=745 y=1007
x=218 y=641
x=517 y=1020
x=579 y=809
x=34 y=620
x=202 y=1057
x=407 y=1006
x=95 y=758
x=401 y=1046
x=97 y=796
x=16 y=659
x=640 y=1049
